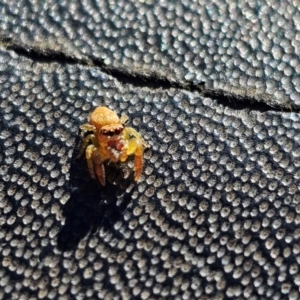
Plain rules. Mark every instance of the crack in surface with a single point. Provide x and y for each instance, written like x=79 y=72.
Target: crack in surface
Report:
x=153 y=81
x=239 y=102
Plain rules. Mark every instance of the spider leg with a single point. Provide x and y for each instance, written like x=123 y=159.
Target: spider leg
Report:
x=87 y=127
x=132 y=132
x=89 y=139
x=99 y=167
x=136 y=147
x=95 y=165
x=124 y=119
x=89 y=159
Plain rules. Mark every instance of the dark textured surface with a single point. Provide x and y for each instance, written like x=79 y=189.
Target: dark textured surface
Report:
x=216 y=212
x=246 y=49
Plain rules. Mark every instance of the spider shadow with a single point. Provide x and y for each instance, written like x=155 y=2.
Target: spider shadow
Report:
x=92 y=206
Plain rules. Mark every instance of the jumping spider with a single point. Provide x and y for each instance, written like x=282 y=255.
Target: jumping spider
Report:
x=111 y=140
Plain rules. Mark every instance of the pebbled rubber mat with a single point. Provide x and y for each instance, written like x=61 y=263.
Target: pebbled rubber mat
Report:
x=248 y=50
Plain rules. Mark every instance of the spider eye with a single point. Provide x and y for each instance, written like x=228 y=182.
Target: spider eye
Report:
x=119 y=130
x=112 y=132
x=107 y=132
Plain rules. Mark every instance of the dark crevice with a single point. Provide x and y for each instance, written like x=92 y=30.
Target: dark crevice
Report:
x=123 y=76
x=149 y=81
x=153 y=81
x=41 y=55
x=237 y=102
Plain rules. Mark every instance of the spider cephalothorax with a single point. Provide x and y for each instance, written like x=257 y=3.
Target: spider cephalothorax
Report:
x=111 y=140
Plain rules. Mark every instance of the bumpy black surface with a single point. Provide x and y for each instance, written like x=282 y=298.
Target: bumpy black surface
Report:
x=216 y=212
x=247 y=49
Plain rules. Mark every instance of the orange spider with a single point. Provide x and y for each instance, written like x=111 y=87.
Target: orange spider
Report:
x=112 y=141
